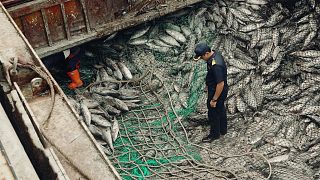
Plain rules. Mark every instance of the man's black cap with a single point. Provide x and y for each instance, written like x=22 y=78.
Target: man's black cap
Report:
x=200 y=50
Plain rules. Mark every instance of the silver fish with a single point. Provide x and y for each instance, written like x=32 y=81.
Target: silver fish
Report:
x=176 y=35
x=95 y=130
x=169 y=40
x=140 y=32
x=85 y=113
x=110 y=109
x=115 y=130
x=106 y=135
x=116 y=103
x=161 y=43
x=138 y=41
x=104 y=91
x=90 y=103
x=96 y=111
x=100 y=121
x=124 y=70
x=186 y=31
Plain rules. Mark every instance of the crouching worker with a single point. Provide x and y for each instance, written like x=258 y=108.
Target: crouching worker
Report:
x=69 y=61
x=72 y=58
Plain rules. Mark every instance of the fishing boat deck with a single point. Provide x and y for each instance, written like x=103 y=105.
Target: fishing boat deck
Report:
x=65 y=134
x=14 y=162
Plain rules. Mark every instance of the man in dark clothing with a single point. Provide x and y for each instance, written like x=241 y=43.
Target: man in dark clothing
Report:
x=217 y=87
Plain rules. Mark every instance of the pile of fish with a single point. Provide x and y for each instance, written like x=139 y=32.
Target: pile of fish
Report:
x=103 y=102
x=272 y=49
x=273 y=58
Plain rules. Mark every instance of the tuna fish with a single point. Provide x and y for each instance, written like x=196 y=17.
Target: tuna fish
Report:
x=115 y=130
x=106 y=135
x=124 y=70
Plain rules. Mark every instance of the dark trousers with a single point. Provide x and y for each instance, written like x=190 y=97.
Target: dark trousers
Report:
x=217 y=116
x=58 y=61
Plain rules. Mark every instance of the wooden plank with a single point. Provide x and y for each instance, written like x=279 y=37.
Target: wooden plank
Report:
x=46 y=25
x=75 y=18
x=33 y=5
x=34 y=29
x=84 y=10
x=56 y=23
x=97 y=12
x=66 y=26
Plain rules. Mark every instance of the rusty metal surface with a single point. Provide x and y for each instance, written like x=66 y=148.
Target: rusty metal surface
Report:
x=55 y=25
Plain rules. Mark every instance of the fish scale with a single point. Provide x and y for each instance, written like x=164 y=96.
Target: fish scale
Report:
x=243 y=56
x=140 y=32
x=279 y=142
x=276 y=52
x=251 y=27
x=186 y=31
x=100 y=121
x=231 y=105
x=241 y=65
x=292 y=130
x=313 y=23
x=287 y=32
x=233 y=70
x=85 y=113
x=190 y=48
x=239 y=15
x=309 y=39
x=307 y=53
x=310 y=110
x=273 y=66
x=265 y=51
x=312 y=131
x=275 y=128
x=270 y=85
x=274 y=19
x=106 y=136
x=169 y=40
x=176 y=35
x=283 y=173
x=276 y=37
x=95 y=130
x=235 y=25
x=249 y=98
x=257 y=90
x=298 y=38
x=241 y=106
x=160 y=43
x=229 y=19
x=301 y=167
x=223 y=12
x=255 y=38
x=269 y=149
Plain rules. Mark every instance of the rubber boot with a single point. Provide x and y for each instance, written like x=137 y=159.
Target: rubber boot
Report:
x=75 y=79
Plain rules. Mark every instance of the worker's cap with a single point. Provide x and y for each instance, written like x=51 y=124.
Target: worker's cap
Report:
x=200 y=50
